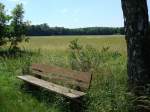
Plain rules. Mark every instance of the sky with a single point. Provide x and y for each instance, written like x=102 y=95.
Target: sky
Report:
x=71 y=13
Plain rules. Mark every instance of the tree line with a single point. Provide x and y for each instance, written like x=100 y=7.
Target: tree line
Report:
x=12 y=27
x=45 y=30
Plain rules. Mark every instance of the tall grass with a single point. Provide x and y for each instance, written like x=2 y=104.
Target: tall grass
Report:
x=107 y=93
x=109 y=84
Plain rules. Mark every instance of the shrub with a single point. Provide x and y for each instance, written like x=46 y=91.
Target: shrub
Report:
x=83 y=58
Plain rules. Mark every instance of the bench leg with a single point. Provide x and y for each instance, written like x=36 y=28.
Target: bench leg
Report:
x=29 y=88
x=77 y=105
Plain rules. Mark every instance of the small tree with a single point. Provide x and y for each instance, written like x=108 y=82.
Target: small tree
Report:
x=3 y=24
x=17 y=27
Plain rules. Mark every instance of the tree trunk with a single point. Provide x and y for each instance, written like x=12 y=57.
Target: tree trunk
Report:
x=138 y=49
x=138 y=44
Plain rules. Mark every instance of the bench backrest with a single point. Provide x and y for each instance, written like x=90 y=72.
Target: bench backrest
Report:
x=77 y=80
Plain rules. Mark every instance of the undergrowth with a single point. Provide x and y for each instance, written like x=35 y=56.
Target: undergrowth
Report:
x=107 y=93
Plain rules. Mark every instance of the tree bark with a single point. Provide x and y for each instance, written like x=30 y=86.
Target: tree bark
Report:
x=138 y=43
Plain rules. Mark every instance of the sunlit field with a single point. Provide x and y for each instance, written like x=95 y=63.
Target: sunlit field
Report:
x=115 y=42
x=106 y=56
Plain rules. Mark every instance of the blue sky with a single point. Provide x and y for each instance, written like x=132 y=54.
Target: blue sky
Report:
x=72 y=13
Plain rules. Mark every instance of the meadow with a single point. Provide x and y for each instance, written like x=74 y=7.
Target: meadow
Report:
x=108 y=91
x=53 y=43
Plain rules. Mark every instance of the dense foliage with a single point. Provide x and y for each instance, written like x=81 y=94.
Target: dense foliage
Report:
x=18 y=26
x=3 y=24
x=45 y=30
x=12 y=27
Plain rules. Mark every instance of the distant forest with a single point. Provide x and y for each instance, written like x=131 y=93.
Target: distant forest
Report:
x=45 y=30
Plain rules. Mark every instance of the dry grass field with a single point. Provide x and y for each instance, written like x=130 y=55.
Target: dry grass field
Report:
x=52 y=43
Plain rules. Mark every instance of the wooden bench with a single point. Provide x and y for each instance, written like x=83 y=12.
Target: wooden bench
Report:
x=69 y=83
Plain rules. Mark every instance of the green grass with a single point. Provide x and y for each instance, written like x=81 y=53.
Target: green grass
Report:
x=61 y=42
x=108 y=88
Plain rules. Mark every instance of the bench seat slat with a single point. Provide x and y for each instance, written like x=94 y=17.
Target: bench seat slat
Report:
x=52 y=87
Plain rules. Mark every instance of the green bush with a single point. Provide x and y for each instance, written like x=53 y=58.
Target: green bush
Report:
x=83 y=58
x=108 y=90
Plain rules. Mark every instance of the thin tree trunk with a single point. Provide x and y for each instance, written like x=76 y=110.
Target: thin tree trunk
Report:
x=138 y=43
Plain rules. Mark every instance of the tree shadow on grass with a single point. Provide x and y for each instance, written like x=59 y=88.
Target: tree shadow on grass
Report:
x=53 y=99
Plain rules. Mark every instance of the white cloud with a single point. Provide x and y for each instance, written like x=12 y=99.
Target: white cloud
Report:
x=19 y=1
x=76 y=20
x=14 y=1
x=24 y=2
x=71 y=12
x=64 y=11
x=76 y=11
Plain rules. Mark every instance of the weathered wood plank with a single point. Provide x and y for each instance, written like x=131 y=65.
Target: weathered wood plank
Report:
x=66 y=81
x=52 y=87
x=76 y=75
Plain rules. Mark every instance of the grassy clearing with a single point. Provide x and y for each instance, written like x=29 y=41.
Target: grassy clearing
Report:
x=61 y=43
x=108 y=89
